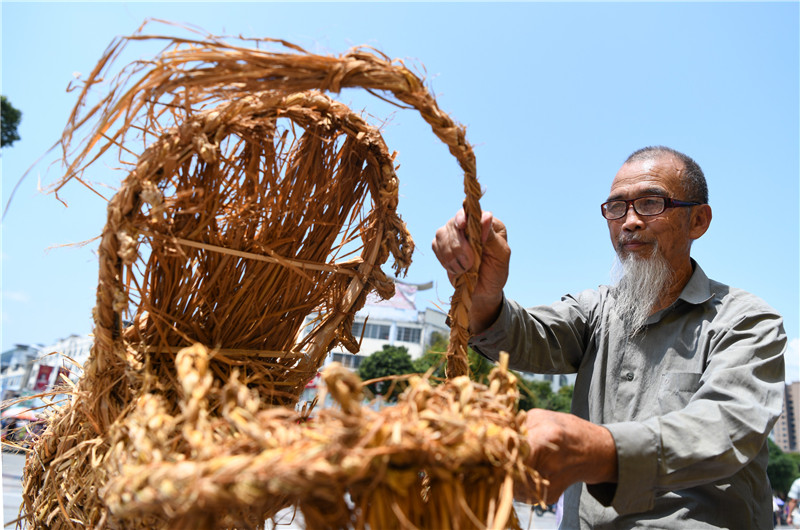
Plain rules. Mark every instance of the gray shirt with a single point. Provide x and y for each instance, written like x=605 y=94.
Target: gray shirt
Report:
x=689 y=400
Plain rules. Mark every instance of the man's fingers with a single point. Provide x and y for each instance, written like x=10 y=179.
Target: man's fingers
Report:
x=460 y=219
x=456 y=266
x=451 y=246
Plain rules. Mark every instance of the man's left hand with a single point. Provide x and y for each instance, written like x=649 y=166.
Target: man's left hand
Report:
x=566 y=449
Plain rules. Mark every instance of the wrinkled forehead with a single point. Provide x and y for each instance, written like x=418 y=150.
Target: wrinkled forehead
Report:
x=661 y=175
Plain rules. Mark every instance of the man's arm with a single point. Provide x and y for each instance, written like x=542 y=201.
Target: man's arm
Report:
x=733 y=403
x=567 y=449
x=790 y=506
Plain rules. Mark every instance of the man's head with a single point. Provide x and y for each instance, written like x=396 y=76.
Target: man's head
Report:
x=694 y=181
x=664 y=239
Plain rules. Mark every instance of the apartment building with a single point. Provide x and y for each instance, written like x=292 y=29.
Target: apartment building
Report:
x=786 y=432
x=394 y=322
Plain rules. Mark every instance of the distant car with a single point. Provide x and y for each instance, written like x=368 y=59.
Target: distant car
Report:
x=21 y=432
x=14 y=430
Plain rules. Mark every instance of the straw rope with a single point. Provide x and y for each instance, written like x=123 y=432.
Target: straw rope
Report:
x=229 y=232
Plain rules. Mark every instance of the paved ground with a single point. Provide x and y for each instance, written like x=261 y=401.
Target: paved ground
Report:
x=12 y=485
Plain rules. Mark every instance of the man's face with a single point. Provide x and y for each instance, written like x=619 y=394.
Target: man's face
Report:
x=669 y=233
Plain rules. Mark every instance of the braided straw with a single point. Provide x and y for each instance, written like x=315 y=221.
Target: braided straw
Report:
x=219 y=244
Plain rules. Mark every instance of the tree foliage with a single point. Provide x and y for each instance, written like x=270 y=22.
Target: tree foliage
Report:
x=540 y=395
x=479 y=366
x=434 y=357
x=9 y=121
x=782 y=468
x=533 y=394
x=391 y=360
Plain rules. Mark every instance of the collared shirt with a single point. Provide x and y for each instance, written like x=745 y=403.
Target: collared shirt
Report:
x=689 y=401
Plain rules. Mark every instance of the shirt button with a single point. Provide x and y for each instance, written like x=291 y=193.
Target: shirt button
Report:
x=629 y=376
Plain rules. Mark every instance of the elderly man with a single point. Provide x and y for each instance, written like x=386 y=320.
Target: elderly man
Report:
x=679 y=377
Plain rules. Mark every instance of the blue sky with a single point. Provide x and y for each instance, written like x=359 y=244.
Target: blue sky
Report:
x=554 y=97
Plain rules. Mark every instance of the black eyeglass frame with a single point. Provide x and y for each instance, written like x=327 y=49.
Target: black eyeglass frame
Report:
x=668 y=203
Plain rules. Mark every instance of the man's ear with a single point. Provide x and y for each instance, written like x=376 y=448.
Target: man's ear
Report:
x=701 y=219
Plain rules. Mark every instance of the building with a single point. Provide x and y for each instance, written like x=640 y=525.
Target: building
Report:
x=29 y=370
x=64 y=357
x=397 y=322
x=15 y=369
x=786 y=432
x=394 y=322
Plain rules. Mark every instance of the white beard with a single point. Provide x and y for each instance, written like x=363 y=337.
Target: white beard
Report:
x=639 y=283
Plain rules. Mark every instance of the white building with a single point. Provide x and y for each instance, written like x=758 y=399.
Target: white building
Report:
x=397 y=322
x=16 y=365
x=66 y=356
x=394 y=322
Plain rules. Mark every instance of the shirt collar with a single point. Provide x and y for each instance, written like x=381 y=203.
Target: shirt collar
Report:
x=696 y=291
x=698 y=288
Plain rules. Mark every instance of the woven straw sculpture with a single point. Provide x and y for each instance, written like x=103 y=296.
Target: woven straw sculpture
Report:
x=235 y=255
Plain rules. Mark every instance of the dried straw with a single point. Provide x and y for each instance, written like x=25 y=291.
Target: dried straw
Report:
x=445 y=457
x=258 y=203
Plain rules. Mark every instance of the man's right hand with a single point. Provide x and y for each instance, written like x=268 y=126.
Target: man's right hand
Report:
x=455 y=254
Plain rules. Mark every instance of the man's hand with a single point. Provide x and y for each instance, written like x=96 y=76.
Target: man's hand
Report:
x=566 y=449
x=455 y=254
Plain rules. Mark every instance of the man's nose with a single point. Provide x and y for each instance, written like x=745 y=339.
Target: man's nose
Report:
x=632 y=220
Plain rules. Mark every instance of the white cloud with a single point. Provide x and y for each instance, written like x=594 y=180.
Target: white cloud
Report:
x=792 y=357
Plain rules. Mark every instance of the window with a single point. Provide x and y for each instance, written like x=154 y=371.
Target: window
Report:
x=348 y=360
x=408 y=334
x=371 y=331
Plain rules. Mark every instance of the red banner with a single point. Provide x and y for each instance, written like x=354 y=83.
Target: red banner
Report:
x=43 y=378
x=60 y=381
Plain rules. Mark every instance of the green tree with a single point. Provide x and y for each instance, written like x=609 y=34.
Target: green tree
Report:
x=562 y=401
x=391 y=360
x=540 y=395
x=9 y=121
x=795 y=458
x=533 y=394
x=479 y=366
x=434 y=356
x=781 y=469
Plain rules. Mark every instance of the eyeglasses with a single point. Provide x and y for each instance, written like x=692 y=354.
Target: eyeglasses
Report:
x=649 y=205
